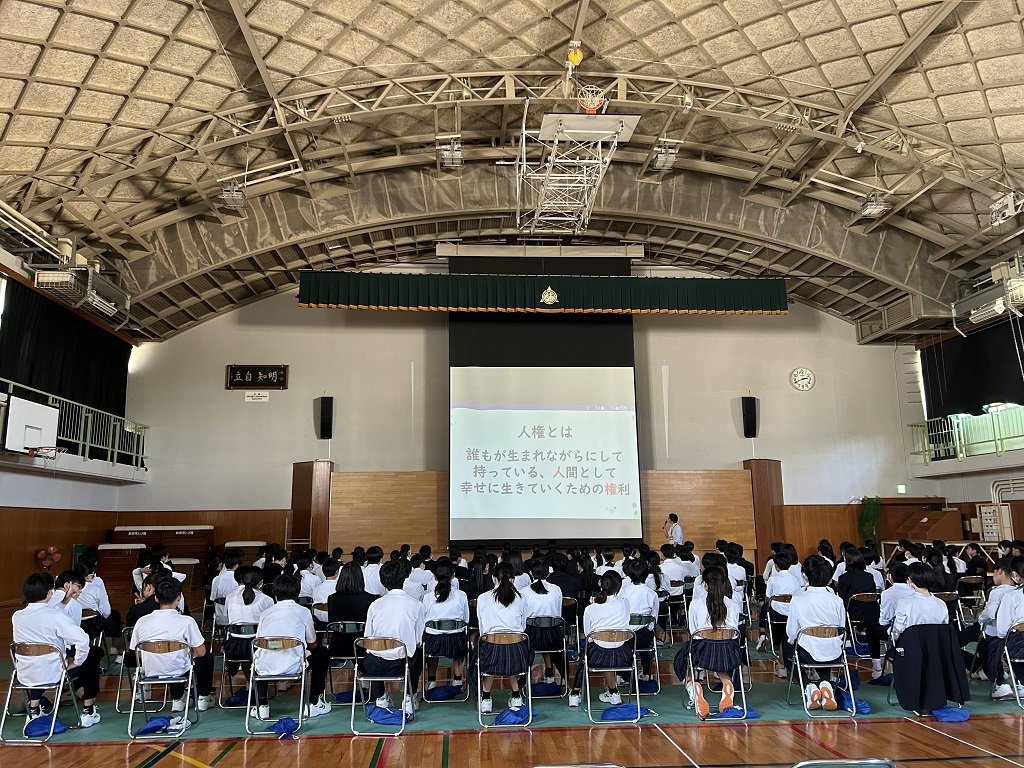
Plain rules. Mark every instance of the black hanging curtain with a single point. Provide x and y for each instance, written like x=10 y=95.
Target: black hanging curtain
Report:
x=46 y=346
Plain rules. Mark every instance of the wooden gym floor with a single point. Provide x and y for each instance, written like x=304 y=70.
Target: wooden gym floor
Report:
x=986 y=741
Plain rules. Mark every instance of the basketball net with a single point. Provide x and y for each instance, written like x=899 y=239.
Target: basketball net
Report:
x=590 y=97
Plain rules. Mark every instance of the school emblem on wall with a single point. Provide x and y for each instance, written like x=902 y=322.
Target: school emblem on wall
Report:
x=549 y=297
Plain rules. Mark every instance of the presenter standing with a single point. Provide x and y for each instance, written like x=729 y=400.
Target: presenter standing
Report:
x=675 y=531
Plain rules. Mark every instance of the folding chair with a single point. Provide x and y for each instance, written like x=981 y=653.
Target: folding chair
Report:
x=1010 y=661
x=972 y=603
x=774 y=649
x=571 y=617
x=341 y=628
x=218 y=631
x=952 y=601
x=242 y=631
x=100 y=641
x=126 y=638
x=620 y=637
x=851 y=625
x=36 y=650
x=636 y=622
x=741 y=585
x=305 y=601
x=274 y=645
x=141 y=679
x=676 y=608
x=797 y=671
x=553 y=621
x=370 y=645
x=445 y=625
x=720 y=634
x=503 y=638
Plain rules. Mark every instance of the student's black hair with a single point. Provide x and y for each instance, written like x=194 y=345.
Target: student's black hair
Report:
x=609 y=585
x=627 y=551
x=37 y=587
x=156 y=577
x=776 y=546
x=608 y=556
x=287 y=587
x=374 y=554
x=337 y=553
x=407 y=567
x=350 y=580
x=673 y=517
x=425 y=550
x=818 y=571
x=321 y=558
x=160 y=551
x=560 y=562
x=973 y=546
x=916 y=550
x=732 y=553
x=654 y=566
x=251 y=578
x=719 y=590
x=167 y=591
x=636 y=570
x=395 y=555
x=898 y=573
x=905 y=543
x=870 y=558
x=302 y=564
x=444 y=573
x=684 y=553
x=938 y=544
x=1017 y=566
x=514 y=558
x=330 y=568
x=720 y=544
x=668 y=551
x=854 y=559
x=790 y=550
x=924 y=576
x=950 y=553
x=69 y=577
x=934 y=558
x=454 y=553
x=478 y=575
x=86 y=566
x=392 y=575
x=1004 y=564
x=505 y=592
x=233 y=557
x=416 y=560
x=1005 y=544
x=689 y=545
x=405 y=549
x=539 y=572
x=781 y=560
x=825 y=549
x=709 y=559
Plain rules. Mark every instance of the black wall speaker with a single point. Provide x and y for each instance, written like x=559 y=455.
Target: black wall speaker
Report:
x=749 y=416
x=323 y=417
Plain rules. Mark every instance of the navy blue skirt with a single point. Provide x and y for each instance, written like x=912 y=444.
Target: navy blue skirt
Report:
x=449 y=646
x=711 y=655
x=544 y=639
x=505 y=660
x=238 y=649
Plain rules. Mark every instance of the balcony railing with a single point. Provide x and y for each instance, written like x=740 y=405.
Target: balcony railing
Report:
x=88 y=432
x=998 y=431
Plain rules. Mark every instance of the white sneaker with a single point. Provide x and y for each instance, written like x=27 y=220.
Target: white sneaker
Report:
x=88 y=721
x=875 y=674
x=549 y=679
x=1020 y=690
x=515 y=702
x=781 y=671
x=761 y=643
x=611 y=697
x=178 y=705
x=119 y=660
x=315 y=710
x=262 y=712
x=689 y=696
x=204 y=703
x=619 y=680
x=384 y=701
x=574 y=699
x=812 y=675
x=486 y=706
x=178 y=724
x=147 y=692
x=1001 y=691
x=409 y=706
x=432 y=685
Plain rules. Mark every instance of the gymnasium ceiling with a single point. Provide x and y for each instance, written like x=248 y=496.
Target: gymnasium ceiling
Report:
x=122 y=120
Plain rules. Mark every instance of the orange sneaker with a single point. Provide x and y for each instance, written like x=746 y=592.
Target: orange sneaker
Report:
x=700 y=703
x=828 y=697
x=727 y=694
x=812 y=696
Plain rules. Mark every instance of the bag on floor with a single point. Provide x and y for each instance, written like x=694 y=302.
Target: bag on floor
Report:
x=386 y=715
x=443 y=693
x=154 y=725
x=843 y=700
x=952 y=714
x=345 y=697
x=648 y=686
x=40 y=727
x=547 y=689
x=625 y=712
x=284 y=728
x=734 y=713
x=517 y=716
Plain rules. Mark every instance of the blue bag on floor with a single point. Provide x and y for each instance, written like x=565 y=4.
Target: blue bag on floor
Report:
x=855 y=679
x=843 y=700
x=885 y=680
x=443 y=693
x=625 y=712
x=284 y=728
x=235 y=700
x=734 y=713
x=547 y=689
x=156 y=725
x=40 y=727
x=516 y=716
x=648 y=686
x=345 y=697
x=952 y=714
x=386 y=715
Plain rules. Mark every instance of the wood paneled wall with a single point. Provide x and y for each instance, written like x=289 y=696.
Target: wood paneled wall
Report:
x=25 y=532
x=804 y=525
x=394 y=508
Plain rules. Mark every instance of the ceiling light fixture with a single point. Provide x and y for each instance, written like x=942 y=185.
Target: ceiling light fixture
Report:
x=233 y=196
x=874 y=206
x=451 y=155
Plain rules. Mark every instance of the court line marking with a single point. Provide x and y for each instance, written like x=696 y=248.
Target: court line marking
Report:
x=965 y=743
x=681 y=750
x=186 y=758
x=818 y=742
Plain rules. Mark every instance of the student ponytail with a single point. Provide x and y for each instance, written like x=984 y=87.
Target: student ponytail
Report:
x=251 y=578
x=610 y=584
x=505 y=593
x=950 y=561
x=443 y=572
x=539 y=571
x=719 y=590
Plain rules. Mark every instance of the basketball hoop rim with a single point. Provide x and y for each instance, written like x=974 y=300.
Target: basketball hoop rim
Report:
x=42 y=450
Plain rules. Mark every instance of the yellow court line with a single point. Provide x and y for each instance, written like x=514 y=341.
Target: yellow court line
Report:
x=186 y=758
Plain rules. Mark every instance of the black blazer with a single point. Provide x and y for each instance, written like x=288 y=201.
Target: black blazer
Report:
x=928 y=669
x=854 y=583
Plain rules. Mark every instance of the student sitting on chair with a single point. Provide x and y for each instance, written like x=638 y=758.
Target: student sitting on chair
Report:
x=782 y=582
x=324 y=590
x=989 y=665
x=39 y=623
x=503 y=609
x=607 y=611
x=921 y=607
x=225 y=584
x=94 y=597
x=245 y=606
x=544 y=600
x=167 y=624
x=855 y=581
x=286 y=618
x=1009 y=614
x=643 y=601
x=396 y=615
x=721 y=657
x=816 y=606
x=67 y=587
x=445 y=602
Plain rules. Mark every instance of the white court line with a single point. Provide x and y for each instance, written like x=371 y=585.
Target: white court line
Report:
x=681 y=750
x=965 y=743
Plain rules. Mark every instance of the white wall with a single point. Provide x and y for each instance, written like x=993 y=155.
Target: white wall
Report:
x=19 y=488
x=389 y=376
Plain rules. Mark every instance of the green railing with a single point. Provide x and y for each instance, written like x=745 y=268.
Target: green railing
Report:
x=88 y=430
x=961 y=436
